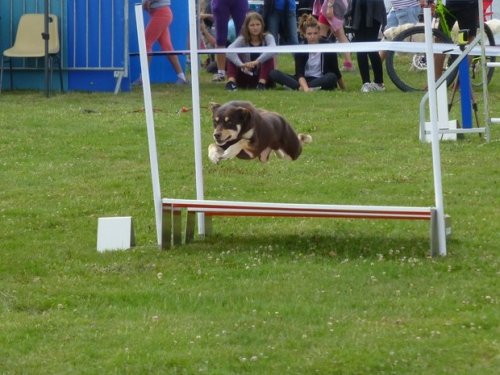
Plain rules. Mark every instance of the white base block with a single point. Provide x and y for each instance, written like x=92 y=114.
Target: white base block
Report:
x=452 y=125
x=115 y=233
x=444 y=123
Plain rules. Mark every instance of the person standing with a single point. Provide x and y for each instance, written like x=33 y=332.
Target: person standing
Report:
x=207 y=30
x=330 y=15
x=250 y=70
x=466 y=14
x=368 y=17
x=281 y=20
x=158 y=29
x=404 y=11
x=222 y=10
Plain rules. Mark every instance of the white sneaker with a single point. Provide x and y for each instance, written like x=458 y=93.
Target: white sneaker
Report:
x=181 y=81
x=137 y=82
x=372 y=87
x=378 y=87
x=367 y=87
x=218 y=77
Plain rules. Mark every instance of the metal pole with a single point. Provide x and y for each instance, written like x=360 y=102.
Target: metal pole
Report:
x=484 y=71
x=195 y=93
x=46 y=37
x=436 y=157
x=148 y=109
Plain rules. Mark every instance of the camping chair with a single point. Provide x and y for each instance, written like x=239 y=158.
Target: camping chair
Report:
x=29 y=43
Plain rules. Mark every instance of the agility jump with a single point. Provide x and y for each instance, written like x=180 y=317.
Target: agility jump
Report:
x=168 y=210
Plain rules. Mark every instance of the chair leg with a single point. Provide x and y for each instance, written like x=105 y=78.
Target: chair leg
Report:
x=51 y=64
x=1 y=75
x=11 y=76
x=51 y=67
x=60 y=73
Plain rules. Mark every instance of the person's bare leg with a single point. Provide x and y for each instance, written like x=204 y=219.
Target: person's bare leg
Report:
x=438 y=65
x=342 y=38
x=220 y=58
x=323 y=30
x=174 y=60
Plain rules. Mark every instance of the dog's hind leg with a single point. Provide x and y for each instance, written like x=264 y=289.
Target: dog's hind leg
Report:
x=264 y=155
x=282 y=154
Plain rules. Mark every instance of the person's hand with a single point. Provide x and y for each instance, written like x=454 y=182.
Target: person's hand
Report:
x=246 y=70
x=429 y=4
x=329 y=10
x=251 y=65
x=206 y=16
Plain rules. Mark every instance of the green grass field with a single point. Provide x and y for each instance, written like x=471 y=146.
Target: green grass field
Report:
x=262 y=296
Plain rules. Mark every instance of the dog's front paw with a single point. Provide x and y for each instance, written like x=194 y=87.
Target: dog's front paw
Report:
x=215 y=153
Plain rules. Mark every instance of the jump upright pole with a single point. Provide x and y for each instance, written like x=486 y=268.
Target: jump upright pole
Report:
x=148 y=109
x=465 y=92
x=436 y=157
x=195 y=93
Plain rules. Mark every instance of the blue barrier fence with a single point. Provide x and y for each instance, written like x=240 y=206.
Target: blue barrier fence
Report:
x=96 y=38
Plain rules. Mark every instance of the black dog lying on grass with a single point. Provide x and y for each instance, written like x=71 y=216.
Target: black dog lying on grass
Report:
x=241 y=130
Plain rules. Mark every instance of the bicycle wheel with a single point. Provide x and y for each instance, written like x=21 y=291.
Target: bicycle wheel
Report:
x=476 y=68
x=408 y=71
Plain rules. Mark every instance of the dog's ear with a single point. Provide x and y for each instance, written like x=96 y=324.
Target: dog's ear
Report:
x=244 y=113
x=213 y=106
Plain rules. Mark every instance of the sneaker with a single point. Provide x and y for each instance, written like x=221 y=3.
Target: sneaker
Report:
x=348 y=67
x=218 y=77
x=231 y=86
x=181 y=81
x=260 y=86
x=378 y=87
x=367 y=87
x=315 y=88
x=137 y=82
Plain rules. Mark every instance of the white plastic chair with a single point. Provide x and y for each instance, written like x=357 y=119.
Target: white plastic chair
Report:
x=30 y=43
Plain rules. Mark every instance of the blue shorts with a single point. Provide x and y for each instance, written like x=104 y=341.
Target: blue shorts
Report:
x=397 y=17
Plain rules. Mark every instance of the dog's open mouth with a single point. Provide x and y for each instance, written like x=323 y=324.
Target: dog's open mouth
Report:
x=220 y=141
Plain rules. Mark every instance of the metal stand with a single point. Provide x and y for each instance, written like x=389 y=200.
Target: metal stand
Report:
x=443 y=80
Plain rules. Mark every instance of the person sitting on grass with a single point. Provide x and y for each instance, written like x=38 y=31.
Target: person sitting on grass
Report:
x=250 y=70
x=314 y=70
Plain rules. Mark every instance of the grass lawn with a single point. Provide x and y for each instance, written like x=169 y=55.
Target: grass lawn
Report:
x=263 y=295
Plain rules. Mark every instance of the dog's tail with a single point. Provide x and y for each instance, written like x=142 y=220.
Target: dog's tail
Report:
x=304 y=138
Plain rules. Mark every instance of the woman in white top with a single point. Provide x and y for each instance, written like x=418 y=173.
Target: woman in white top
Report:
x=250 y=70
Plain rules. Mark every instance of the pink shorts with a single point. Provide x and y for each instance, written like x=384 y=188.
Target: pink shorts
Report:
x=334 y=23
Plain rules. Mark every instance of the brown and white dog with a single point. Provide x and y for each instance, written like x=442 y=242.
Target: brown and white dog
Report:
x=244 y=131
